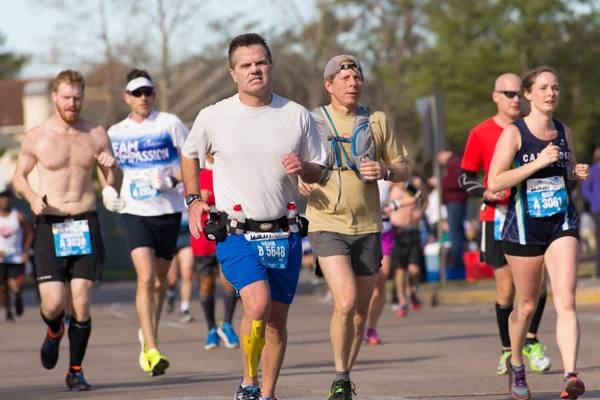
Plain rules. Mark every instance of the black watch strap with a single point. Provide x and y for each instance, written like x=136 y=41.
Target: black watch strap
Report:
x=191 y=198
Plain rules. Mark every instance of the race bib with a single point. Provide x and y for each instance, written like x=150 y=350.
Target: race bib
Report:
x=72 y=238
x=499 y=218
x=546 y=196
x=271 y=248
x=141 y=190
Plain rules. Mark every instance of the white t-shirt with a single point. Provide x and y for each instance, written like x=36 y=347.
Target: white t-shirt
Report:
x=384 y=199
x=11 y=238
x=248 y=144
x=142 y=148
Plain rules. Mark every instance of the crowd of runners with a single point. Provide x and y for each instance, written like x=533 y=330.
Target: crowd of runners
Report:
x=218 y=202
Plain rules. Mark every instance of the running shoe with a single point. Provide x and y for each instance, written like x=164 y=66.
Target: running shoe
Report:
x=573 y=386
x=415 y=303
x=19 y=304
x=538 y=360
x=144 y=363
x=50 y=347
x=76 y=381
x=371 y=337
x=502 y=365
x=228 y=336
x=342 y=390
x=212 y=340
x=158 y=362
x=185 y=317
x=9 y=317
x=517 y=385
x=402 y=311
x=170 y=303
x=248 y=393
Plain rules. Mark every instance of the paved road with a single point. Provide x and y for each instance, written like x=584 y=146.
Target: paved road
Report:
x=447 y=352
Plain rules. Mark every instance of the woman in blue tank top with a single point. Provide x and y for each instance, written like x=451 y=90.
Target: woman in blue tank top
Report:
x=534 y=157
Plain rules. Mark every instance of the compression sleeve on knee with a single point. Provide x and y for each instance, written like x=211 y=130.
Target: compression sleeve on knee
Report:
x=253 y=346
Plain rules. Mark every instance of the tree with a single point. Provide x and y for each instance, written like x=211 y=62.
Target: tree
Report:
x=10 y=63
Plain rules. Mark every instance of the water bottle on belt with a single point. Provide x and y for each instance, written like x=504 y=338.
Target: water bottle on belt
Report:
x=236 y=220
x=291 y=217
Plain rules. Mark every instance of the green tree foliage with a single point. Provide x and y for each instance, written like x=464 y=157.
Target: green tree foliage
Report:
x=459 y=47
x=10 y=63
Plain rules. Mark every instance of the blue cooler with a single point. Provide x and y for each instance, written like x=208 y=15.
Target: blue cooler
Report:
x=432 y=263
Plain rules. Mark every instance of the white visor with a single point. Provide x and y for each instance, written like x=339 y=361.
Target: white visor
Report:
x=138 y=83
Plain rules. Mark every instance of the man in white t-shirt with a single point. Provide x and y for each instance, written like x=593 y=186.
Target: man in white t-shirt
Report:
x=261 y=144
x=147 y=146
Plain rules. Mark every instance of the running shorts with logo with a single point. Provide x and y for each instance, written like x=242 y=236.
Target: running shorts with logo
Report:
x=241 y=267
x=407 y=248
x=540 y=209
x=364 y=249
x=68 y=247
x=158 y=232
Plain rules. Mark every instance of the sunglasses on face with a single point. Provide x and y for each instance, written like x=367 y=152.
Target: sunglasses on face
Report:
x=142 y=91
x=509 y=93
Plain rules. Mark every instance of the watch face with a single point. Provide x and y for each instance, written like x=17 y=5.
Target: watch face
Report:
x=189 y=199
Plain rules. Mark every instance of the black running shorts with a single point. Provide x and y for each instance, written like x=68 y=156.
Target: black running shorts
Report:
x=158 y=232
x=492 y=251
x=10 y=271
x=50 y=267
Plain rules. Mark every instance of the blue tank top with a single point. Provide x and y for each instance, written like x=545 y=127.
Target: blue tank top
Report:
x=540 y=206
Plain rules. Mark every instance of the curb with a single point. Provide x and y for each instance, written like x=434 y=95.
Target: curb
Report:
x=584 y=296
x=463 y=293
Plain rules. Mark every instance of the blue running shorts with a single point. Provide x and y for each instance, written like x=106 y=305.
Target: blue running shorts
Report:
x=241 y=267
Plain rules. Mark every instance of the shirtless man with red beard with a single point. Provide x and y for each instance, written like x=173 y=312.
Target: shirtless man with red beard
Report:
x=68 y=243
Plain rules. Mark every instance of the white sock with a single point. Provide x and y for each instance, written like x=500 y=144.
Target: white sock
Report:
x=185 y=306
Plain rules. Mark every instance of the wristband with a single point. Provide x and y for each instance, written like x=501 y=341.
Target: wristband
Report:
x=394 y=205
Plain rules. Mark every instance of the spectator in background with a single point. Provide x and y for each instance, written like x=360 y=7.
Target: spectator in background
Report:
x=455 y=200
x=591 y=192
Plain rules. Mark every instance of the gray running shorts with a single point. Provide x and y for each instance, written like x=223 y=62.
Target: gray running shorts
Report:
x=364 y=250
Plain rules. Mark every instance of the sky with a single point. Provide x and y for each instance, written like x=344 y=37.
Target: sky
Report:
x=31 y=29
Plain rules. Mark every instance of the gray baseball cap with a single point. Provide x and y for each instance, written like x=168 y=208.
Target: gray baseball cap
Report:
x=335 y=64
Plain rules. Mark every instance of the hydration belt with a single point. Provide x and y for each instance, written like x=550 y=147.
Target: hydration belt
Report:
x=254 y=226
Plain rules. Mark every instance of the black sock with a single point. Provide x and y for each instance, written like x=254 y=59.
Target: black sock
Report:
x=345 y=375
x=502 y=314
x=394 y=295
x=79 y=335
x=208 y=306
x=55 y=324
x=531 y=340
x=537 y=316
x=229 y=301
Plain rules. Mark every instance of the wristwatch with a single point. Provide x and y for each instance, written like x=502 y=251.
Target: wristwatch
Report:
x=191 y=198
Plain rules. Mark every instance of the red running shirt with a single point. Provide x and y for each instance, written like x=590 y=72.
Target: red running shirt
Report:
x=478 y=153
x=202 y=246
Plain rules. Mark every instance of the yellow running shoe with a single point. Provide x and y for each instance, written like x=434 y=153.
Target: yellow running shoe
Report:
x=158 y=362
x=144 y=363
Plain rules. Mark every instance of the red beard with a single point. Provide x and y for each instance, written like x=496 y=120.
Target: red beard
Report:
x=70 y=118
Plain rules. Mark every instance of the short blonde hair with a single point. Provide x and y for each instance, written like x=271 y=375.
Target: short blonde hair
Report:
x=70 y=77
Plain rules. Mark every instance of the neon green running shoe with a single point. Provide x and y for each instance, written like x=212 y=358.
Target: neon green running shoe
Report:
x=538 y=360
x=502 y=365
x=144 y=363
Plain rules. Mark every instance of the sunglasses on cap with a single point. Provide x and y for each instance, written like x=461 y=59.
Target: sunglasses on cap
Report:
x=349 y=66
x=142 y=91
x=509 y=93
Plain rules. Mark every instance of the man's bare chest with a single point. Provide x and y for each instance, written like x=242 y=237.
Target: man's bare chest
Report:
x=62 y=151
